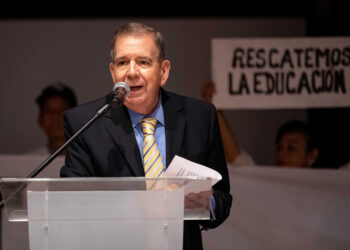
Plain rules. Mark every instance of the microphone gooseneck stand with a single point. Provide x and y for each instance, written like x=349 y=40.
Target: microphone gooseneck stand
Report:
x=99 y=113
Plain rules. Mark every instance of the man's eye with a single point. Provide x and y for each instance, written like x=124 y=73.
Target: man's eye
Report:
x=144 y=62
x=121 y=63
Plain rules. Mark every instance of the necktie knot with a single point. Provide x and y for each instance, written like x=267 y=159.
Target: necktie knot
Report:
x=148 y=125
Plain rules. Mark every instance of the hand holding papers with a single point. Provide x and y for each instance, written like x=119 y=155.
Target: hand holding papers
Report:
x=195 y=196
x=198 y=200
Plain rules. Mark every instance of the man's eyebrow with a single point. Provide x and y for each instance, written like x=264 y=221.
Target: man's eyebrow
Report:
x=139 y=57
x=120 y=58
x=145 y=57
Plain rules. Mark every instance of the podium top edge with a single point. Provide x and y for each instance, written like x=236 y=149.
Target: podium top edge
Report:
x=101 y=179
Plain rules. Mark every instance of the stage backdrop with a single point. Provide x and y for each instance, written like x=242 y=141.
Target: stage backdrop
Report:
x=259 y=73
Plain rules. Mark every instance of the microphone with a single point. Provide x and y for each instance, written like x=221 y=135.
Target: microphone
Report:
x=120 y=92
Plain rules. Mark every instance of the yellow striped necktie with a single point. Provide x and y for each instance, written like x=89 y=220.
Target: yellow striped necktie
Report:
x=152 y=160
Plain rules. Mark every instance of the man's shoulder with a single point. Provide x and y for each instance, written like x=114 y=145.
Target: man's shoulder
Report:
x=81 y=114
x=88 y=108
x=189 y=103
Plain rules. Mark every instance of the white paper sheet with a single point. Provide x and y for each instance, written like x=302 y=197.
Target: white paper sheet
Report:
x=180 y=166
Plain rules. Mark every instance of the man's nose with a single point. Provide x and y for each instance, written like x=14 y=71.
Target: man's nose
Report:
x=132 y=70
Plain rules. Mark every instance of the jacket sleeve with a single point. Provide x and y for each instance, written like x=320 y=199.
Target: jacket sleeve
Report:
x=217 y=161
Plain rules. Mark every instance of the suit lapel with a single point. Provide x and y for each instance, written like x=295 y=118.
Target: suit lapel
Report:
x=175 y=123
x=118 y=125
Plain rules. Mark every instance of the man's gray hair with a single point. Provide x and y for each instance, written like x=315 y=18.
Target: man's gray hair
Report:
x=139 y=29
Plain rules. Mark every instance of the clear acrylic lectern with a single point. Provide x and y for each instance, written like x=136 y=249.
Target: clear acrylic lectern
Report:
x=106 y=213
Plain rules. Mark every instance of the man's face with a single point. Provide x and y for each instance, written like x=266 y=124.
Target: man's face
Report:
x=51 y=117
x=292 y=150
x=137 y=65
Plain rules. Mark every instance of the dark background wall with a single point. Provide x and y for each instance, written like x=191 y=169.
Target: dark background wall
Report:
x=324 y=17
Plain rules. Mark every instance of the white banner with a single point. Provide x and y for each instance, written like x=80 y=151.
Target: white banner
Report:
x=285 y=208
x=272 y=73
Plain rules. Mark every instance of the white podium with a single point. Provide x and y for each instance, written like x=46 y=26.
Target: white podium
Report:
x=105 y=213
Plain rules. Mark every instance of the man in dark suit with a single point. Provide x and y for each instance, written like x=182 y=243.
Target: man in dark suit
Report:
x=187 y=127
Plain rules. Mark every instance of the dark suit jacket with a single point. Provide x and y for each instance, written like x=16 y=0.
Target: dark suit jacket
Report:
x=109 y=148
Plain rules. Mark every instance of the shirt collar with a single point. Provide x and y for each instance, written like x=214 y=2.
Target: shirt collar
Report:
x=157 y=113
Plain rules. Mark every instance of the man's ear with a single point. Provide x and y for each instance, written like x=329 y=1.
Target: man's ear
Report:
x=111 y=70
x=312 y=157
x=165 y=69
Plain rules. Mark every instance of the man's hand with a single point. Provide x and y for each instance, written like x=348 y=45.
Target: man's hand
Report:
x=207 y=91
x=198 y=200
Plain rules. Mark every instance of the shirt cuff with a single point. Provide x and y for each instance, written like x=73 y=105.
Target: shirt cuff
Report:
x=212 y=208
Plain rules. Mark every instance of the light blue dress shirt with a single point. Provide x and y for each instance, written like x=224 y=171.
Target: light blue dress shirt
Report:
x=160 y=129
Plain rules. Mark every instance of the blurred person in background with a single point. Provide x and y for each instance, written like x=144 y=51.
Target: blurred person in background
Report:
x=295 y=145
x=52 y=102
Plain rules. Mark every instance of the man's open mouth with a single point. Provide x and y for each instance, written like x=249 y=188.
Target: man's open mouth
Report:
x=133 y=88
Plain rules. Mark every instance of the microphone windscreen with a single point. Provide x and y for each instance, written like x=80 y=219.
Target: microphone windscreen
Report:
x=120 y=92
x=121 y=85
